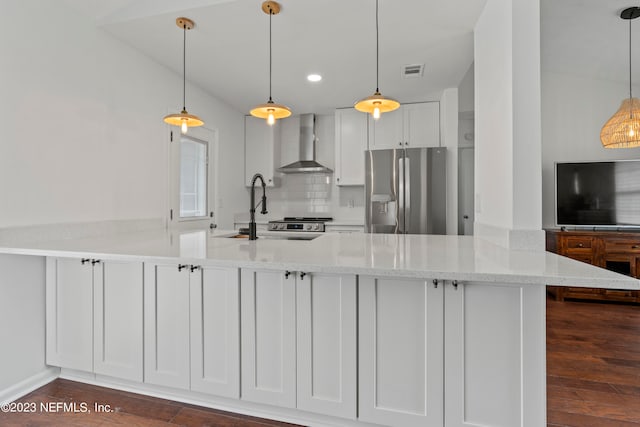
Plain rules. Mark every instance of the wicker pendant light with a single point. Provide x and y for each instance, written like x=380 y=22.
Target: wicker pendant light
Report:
x=623 y=129
x=270 y=110
x=377 y=104
x=183 y=119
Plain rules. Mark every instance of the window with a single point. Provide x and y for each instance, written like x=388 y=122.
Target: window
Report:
x=193 y=177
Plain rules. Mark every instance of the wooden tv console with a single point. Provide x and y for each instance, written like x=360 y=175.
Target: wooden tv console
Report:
x=614 y=250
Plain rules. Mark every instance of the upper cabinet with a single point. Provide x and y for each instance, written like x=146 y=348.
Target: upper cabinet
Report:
x=410 y=126
x=351 y=143
x=261 y=149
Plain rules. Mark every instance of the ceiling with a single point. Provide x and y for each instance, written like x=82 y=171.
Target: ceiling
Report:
x=588 y=38
x=227 y=52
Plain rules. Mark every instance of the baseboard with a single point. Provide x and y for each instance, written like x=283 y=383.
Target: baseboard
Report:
x=286 y=415
x=26 y=386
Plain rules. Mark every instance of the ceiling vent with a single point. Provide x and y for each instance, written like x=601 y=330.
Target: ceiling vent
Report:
x=413 y=70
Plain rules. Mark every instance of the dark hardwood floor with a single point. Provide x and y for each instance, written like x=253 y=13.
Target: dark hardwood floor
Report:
x=129 y=409
x=593 y=380
x=593 y=364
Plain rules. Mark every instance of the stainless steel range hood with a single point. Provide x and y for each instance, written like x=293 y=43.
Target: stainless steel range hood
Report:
x=307 y=157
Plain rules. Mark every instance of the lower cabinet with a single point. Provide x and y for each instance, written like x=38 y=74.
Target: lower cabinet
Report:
x=299 y=340
x=495 y=355
x=94 y=316
x=401 y=365
x=191 y=335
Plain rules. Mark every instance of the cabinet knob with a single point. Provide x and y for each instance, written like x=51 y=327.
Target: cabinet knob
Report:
x=83 y=261
x=194 y=268
x=406 y=143
x=400 y=143
x=435 y=283
x=580 y=245
x=182 y=266
x=287 y=274
x=95 y=261
x=635 y=247
x=338 y=179
x=455 y=284
x=302 y=274
x=270 y=180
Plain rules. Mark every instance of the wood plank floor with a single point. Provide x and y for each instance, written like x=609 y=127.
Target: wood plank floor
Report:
x=593 y=364
x=593 y=380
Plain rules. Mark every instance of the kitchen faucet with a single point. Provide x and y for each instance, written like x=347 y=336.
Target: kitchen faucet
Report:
x=252 y=209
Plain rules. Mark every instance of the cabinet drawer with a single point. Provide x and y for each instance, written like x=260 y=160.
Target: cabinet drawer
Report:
x=578 y=243
x=620 y=294
x=583 y=257
x=622 y=246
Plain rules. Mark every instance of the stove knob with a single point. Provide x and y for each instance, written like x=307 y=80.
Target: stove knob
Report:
x=308 y=227
x=316 y=227
x=281 y=226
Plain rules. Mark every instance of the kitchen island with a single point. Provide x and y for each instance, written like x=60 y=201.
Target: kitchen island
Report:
x=345 y=329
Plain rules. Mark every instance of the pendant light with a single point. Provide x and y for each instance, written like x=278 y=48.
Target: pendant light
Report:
x=376 y=103
x=623 y=129
x=183 y=119
x=270 y=111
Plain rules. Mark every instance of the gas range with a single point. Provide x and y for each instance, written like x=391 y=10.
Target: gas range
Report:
x=292 y=223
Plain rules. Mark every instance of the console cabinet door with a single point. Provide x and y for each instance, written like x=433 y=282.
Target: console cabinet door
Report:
x=489 y=362
x=215 y=331
x=166 y=328
x=401 y=366
x=69 y=313
x=327 y=357
x=351 y=142
x=268 y=334
x=117 y=325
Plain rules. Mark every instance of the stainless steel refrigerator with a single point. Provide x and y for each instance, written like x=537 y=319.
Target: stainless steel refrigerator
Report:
x=406 y=191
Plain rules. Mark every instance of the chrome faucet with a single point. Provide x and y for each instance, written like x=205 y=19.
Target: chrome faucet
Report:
x=252 y=210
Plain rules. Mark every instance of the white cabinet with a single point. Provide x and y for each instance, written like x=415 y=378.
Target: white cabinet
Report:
x=215 y=331
x=401 y=361
x=495 y=353
x=117 y=327
x=94 y=316
x=351 y=143
x=191 y=328
x=166 y=335
x=268 y=333
x=410 y=126
x=334 y=228
x=69 y=299
x=299 y=340
x=327 y=356
x=261 y=149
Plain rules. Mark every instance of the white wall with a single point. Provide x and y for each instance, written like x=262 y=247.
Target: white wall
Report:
x=449 y=139
x=465 y=91
x=573 y=111
x=507 y=120
x=22 y=316
x=81 y=113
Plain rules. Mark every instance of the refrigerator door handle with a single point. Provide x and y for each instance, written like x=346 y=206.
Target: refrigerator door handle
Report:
x=400 y=216
x=407 y=194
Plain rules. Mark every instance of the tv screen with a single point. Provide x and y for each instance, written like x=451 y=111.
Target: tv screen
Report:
x=598 y=194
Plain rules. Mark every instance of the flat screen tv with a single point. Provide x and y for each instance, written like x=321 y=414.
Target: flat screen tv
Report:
x=598 y=194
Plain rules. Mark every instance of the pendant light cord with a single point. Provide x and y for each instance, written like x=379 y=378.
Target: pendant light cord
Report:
x=184 y=67
x=630 y=95
x=270 y=60
x=377 y=52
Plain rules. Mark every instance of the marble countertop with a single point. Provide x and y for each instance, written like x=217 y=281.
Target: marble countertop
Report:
x=462 y=258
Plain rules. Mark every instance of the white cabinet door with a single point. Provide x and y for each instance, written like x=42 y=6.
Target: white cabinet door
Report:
x=261 y=148
x=117 y=325
x=421 y=126
x=386 y=132
x=215 y=331
x=327 y=357
x=401 y=352
x=351 y=143
x=268 y=334
x=69 y=313
x=166 y=327
x=494 y=377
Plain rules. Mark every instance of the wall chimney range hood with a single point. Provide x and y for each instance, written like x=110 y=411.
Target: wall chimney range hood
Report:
x=307 y=155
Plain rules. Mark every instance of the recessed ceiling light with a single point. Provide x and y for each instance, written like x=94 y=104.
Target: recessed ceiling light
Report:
x=314 y=77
